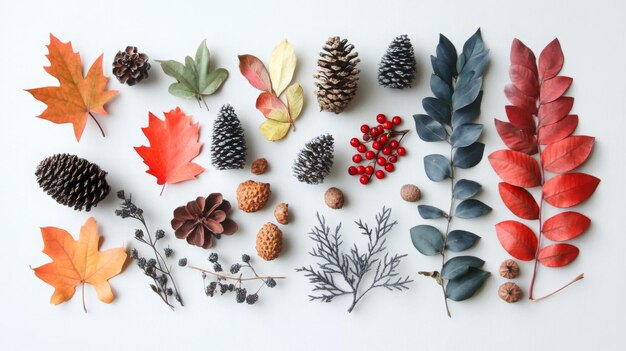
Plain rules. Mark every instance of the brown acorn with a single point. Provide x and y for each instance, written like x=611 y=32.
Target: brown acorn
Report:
x=269 y=241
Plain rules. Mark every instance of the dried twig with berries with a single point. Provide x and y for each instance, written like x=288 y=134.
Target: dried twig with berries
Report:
x=156 y=267
x=221 y=280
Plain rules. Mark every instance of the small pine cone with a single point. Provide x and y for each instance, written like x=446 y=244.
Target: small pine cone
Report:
x=269 y=241
x=397 y=67
x=72 y=181
x=228 y=146
x=337 y=76
x=315 y=160
x=130 y=67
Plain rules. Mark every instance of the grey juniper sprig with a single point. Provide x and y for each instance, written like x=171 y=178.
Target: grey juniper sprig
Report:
x=156 y=267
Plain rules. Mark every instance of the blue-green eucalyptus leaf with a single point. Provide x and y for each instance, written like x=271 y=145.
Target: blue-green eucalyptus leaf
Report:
x=440 y=88
x=458 y=266
x=447 y=53
x=476 y=66
x=460 y=63
x=431 y=212
x=461 y=240
x=437 y=167
x=468 y=156
x=471 y=208
x=473 y=46
x=468 y=113
x=466 y=134
x=437 y=109
x=442 y=70
x=467 y=285
x=466 y=94
x=427 y=239
x=428 y=129
x=464 y=189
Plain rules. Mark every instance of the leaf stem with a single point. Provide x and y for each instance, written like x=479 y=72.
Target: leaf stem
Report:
x=98 y=123
x=82 y=288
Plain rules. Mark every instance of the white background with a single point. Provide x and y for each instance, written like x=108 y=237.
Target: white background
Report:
x=587 y=315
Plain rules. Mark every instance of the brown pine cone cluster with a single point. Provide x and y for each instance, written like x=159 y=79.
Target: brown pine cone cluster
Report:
x=203 y=220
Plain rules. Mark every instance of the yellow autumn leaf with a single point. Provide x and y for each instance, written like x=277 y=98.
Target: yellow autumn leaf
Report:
x=273 y=130
x=295 y=100
x=282 y=66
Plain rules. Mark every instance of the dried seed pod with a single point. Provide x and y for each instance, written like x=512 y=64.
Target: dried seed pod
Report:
x=282 y=213
x=252 y=196
x=334 y=198
x=509 y=269
x=269 y=241
x=410 y=193
x=259 y=166
x=510 y=292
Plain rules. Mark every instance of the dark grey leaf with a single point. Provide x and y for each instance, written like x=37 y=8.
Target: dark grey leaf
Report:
x=430 y=212
x=442 y=70
x=428 y=129
x=469 y=156
x=468 y=113
x=464 y=189
x=475 y=67
x=460 y=240
x=473 y=46
x=427 y=239
x=466 y=286
x=466 y=134
x=447 y=53
x=440 y=88
x=466 y=94
x=456 y=267
x=437 y=167
x=437 y=109
x=471 y=208
x=460 y=63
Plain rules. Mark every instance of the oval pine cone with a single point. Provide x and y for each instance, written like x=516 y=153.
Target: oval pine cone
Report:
x=72 y=181
x=337 y=76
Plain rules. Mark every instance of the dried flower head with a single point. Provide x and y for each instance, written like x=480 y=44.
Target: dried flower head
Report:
x=509 y=269
x=510 y=292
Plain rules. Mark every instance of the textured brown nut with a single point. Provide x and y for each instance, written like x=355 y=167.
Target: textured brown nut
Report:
x=510 y=292
x=410 y=193
x=252 y=196
x=269 y=241
x=259 y=166
x=509 y=269
x=334 y=198
x=281 y=212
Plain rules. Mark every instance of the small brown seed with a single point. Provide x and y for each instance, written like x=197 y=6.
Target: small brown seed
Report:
x=509 y=269
x=282 y=213
x=510 y=292
x=410 y=193
x=334 y=198
x=259 y=166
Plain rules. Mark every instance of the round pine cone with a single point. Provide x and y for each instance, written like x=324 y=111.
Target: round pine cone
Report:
x=203 y=219
x=252 y=196
x=72 y=181
x=269 y=241
x=130 y=67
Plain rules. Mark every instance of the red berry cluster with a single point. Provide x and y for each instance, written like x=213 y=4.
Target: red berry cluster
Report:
x=384 y=150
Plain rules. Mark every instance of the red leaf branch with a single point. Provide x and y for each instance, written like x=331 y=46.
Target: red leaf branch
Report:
x=538 y=135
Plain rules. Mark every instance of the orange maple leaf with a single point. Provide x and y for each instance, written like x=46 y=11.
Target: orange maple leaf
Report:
x=173 y=145
x=76 y=97
x=78 y=262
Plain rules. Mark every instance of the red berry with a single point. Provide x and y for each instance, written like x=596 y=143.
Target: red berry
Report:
x=376 y=145
x=401 y=151
x=357 y=158
x=389 y=167
x=383 y=138
x=361 y=148
x=366 y=137
x=393 y=159
x=365 y=128
x=387 y=125
x=396 y=120
x=381 y=161
x=380 y=174
x=386 y=150
x=360 y=170
x=354 y=142
x=381 y=118
x=374 y=132
x=394 y=144
x=370 y=155
x=352 y=170
x=364 y=179
x=369 y=170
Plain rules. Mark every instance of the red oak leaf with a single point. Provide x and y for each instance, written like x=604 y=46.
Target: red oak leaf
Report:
x=173 y=145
